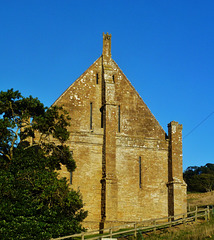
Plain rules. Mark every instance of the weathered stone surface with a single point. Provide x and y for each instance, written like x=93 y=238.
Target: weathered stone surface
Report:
x=127 y=167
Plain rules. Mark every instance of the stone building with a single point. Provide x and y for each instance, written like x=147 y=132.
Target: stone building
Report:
x=128 y=168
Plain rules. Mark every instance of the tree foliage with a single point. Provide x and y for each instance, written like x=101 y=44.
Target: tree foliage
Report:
x=200 y=179
x=34 y=202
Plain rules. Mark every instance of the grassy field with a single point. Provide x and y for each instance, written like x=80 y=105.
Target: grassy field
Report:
x=200 y=199
x=192 y=231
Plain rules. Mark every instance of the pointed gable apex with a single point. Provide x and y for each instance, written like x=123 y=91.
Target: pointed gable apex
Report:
x=95 y=65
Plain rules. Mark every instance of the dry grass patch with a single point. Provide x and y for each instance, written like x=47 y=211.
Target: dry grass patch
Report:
x=189 y=232
x=200 y=199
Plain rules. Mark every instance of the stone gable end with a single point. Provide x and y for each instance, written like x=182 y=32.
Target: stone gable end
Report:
x=128 y=168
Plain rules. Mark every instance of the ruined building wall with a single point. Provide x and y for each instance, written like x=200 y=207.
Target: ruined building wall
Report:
x=126 y=169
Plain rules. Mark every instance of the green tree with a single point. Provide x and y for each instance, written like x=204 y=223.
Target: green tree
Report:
x=200 y=179
x=35 y=203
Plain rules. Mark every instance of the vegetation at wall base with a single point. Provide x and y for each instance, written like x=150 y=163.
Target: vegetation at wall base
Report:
x=34 y=202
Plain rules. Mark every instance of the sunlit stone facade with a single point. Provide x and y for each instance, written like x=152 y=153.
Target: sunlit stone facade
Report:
x=128 y=168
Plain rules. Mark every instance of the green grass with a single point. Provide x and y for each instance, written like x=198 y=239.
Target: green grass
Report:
x=202 y=230
x=197 y=231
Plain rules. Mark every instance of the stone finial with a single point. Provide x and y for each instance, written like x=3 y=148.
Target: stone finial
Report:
x=107 y=36
x=173 y=123
x=107 y=45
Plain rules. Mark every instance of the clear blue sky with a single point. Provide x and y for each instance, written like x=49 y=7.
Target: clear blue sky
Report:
x=164 y=47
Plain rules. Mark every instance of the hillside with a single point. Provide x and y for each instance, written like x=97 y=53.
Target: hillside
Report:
x=200 y=199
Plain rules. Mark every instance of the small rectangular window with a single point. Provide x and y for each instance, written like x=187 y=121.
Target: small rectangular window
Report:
x=119 y=118
x=97 y=78
x=91 y=115
x=113 y=78
x=140 y=176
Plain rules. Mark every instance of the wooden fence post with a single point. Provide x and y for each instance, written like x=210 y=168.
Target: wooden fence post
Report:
x=207 y=214
x=170 y=220
x=184 y=219
x=155 y=226
x=110 y=232
x=135 y=231
x=196 y=213
x=82 y=236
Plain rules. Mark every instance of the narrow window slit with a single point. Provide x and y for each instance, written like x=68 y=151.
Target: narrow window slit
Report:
x=97 y=78
x=140 y=176
x=119 y=118
x=91 y=116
